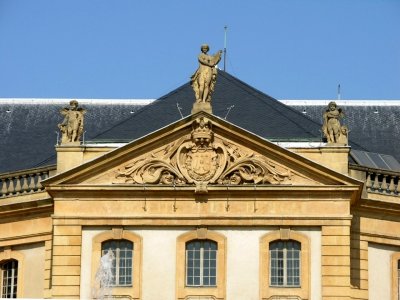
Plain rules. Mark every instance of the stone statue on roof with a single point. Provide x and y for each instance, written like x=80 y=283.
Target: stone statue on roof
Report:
x=203 y=80
x=72 y=126
x=331 y=127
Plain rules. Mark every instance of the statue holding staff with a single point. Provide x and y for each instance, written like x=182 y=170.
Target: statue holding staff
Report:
x=203 y=80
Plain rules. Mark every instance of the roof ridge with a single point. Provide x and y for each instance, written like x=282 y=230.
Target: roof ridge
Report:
x=65 y=101
x=341 y=102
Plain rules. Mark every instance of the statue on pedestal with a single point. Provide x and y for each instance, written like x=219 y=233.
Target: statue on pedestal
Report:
x=331 y=127
x=203 y=80
x=72 y=126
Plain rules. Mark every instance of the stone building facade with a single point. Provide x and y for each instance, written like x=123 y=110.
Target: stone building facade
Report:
x=202 y=208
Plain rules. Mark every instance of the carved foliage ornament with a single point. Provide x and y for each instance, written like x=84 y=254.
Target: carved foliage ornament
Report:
x=201 y=159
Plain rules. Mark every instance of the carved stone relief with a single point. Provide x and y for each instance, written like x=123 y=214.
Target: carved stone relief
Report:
x=201 y=159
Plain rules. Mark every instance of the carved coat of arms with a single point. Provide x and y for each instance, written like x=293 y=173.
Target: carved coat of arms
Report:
x=201 y=160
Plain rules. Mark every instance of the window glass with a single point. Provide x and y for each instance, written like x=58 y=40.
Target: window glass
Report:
x=285 y=263
x=122 y=264
x=201 y=263
x=9 y=275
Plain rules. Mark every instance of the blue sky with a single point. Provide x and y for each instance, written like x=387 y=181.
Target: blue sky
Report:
x=289 y=49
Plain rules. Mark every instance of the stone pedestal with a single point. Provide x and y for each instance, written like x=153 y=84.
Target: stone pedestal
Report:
x=201 y=106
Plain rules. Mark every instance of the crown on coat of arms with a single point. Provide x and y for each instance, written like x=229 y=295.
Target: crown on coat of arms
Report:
x=202 y=130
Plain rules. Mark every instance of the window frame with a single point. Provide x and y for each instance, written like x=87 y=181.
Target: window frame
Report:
x=117 y=260
x=133 y=290
x=396 y=276
x=266 y=290
x=6 y=256
x=219 y=290
x=13 y=277
x=201 y=263
x=285 y=264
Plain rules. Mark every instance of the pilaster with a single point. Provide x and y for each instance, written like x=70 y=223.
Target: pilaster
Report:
x=48 y=246
x=66 y=261
x=335 y=262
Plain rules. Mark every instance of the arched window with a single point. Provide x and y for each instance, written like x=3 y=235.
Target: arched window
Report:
x=285 y=263
x=201 y=263
x=9 y=279
x=122 y=266
x=126 y=248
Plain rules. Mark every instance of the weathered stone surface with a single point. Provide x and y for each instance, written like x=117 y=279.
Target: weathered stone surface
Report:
x=204 y=79
x=72 y=126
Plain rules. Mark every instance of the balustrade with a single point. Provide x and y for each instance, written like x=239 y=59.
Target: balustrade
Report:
x=383 y=182
x=23 y=182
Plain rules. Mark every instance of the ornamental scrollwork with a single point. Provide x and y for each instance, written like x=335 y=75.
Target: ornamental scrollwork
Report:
x=254 y=170
x=201 y=159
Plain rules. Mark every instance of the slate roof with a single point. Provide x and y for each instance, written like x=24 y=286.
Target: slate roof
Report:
x=28 y=130
x=250 y=109
x=376 y=128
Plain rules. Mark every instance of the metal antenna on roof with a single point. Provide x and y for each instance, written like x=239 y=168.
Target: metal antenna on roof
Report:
x=229 y=109
x=225 y=28
x=179 y=109
x=58 y=137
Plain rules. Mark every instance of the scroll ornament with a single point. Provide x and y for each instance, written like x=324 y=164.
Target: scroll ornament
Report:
x=201 y=159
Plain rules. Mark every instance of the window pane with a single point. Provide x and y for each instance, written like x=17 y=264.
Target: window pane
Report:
x=213 y=281
x=206 y=281
x=197 y=263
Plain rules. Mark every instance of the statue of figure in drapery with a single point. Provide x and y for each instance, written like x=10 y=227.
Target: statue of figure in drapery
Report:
x=203 y=80
x=331 y=127
x=72 y=126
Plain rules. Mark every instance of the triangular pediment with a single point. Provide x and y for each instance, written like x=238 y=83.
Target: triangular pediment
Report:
x=201 y=150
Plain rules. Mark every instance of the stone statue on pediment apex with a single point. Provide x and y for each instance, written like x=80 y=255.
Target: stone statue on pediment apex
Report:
x=204 y=79
x=72 y=126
